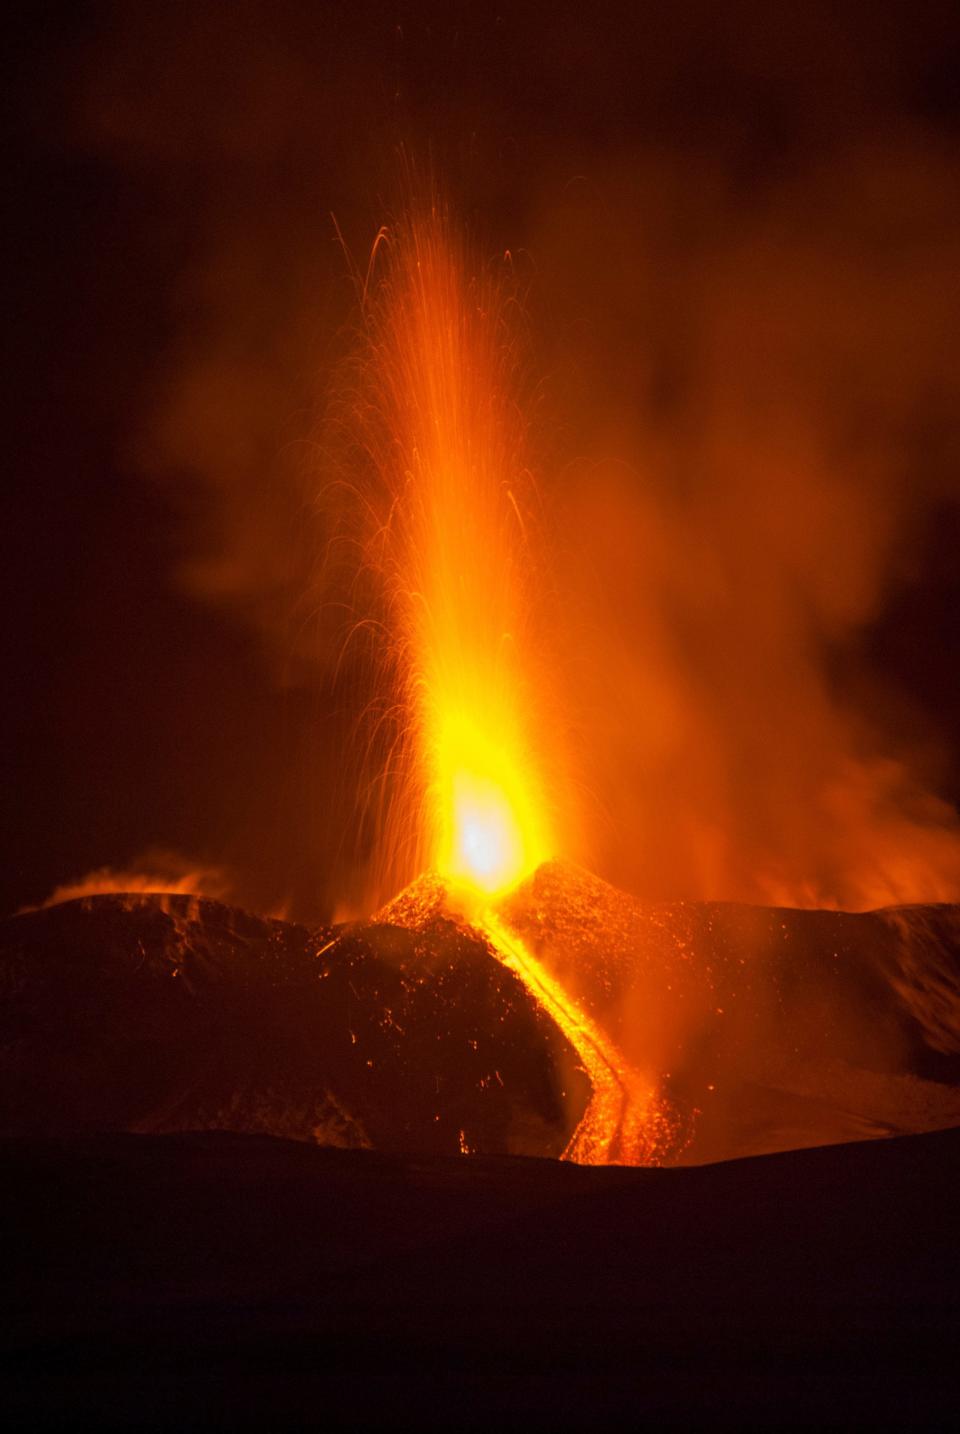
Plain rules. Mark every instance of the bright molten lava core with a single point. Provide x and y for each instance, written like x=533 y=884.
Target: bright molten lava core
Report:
x=487 y=847
x=489 y=836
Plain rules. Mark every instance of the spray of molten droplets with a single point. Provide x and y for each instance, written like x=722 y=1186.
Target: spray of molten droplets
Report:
x=461 y=573
x=447 y=440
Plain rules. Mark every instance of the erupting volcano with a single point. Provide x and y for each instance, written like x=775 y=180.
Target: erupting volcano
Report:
x=478 y=788
x=446 y=512
x=480 y=938
x=501 y=998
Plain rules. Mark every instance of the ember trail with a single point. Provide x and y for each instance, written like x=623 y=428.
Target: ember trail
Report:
x=475 y=788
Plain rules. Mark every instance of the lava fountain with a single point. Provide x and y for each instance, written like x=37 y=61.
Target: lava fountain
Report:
x=478 y=788
x=449 y=500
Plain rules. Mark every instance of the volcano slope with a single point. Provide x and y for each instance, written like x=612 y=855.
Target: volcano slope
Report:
x=767 y=1028
x=762 y=1029
x=165 y=1013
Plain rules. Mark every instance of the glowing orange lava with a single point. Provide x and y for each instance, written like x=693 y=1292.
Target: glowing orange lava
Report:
x=480 y=770
x=624 y=1123
x=452 y=541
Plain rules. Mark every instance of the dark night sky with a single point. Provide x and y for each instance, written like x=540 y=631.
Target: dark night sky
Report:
x=149 y=142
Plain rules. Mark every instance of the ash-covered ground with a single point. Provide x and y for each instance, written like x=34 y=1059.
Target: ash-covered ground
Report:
x=219 y=1281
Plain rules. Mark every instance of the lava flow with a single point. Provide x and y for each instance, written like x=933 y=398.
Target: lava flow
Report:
x=452 y=540
x=624 y=1122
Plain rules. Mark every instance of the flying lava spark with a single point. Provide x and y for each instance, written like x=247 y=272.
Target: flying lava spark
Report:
x=449 y=502
x=478 y=790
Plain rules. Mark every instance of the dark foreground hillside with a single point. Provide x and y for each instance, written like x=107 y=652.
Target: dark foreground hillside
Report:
x=219 y=1280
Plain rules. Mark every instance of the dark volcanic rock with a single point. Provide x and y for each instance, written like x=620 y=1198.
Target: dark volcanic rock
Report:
x=146 y=1013
x=780 y=1028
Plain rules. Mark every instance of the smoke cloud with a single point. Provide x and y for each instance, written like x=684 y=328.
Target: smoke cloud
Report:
x=154 y=871
x=762 y=399
x=740 y=250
